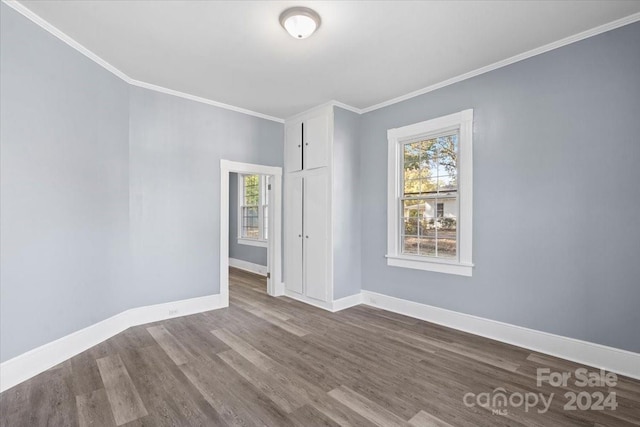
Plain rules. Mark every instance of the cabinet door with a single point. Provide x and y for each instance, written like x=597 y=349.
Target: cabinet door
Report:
x=316 y=142
x=293 y=234
x=316 y=235
x=293 y=147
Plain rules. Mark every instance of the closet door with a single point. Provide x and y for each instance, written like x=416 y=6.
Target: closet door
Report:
x=293 y=236
x=293 y=147
x=316 y=235
x=316 y=142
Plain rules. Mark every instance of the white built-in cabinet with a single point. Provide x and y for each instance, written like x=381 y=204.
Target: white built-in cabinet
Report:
x=307 y=199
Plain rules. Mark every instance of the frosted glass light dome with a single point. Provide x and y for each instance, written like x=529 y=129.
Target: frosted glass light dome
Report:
x=300 y=22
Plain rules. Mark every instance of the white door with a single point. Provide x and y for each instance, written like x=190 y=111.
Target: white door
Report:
x=293 y=147
x=293 y=234
x=316 y=235
x=316 y=142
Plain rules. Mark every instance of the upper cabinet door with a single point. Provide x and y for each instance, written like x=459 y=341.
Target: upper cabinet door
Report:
x=316 y=142
x=293 y=147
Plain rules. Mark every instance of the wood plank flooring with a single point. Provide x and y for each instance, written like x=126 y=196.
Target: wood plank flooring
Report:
x=276 y=362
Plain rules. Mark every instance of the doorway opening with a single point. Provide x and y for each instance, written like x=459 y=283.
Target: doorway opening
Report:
x=250 y=222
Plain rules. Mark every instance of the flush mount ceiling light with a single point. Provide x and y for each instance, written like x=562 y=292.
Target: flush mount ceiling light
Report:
x=300 y=22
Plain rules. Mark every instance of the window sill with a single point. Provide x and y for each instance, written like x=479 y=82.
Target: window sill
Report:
x=253 y=242
x=448 y=267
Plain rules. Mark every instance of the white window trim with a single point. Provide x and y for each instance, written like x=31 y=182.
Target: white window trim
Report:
x=262 y=243
x=463 y=121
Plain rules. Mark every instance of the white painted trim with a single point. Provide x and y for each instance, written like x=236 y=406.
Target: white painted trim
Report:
x=321 y=109
x=203 y=100
x=23 y=10
x=347 y=302
x=332 y=306
x=325 y=305
x=503 y=63
x=248 y=266
x=428 y=264
x=274 y=252
x=27 y=365
x=279 y=289
x=463 y=123
x=599 y=356
x=36 y=19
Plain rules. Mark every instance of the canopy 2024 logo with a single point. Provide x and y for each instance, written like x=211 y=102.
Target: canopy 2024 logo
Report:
x=499 y=400
x=583 y=378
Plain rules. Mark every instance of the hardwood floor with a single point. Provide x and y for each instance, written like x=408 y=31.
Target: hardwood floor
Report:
x=277 y=362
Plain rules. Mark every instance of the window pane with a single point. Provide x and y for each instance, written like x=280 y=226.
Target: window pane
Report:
x=250 y=222
x=447 y=183
x=427 y=227
x=427 y=246
x=412 y=208
x=410 y=245
x=251 y=189
x=430 y=165
x=447 y=154
x=447 y=236
x=410 y=227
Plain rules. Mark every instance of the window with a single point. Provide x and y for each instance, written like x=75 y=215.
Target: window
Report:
x=430 y=195
x=253 y=210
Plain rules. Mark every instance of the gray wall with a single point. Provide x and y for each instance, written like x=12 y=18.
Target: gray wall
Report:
x=253 y=254
x=556 y=208
x=346 y=204
x=64 y=195
x=109 y=193
x=175 y=151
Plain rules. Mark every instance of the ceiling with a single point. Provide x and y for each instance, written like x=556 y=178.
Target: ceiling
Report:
x=364 y=53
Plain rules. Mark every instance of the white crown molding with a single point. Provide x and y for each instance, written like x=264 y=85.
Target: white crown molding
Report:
x=328 y=104
x=23 y=10
x=599 y=356
x=248 y=266
x=29 y=364
x=203 y=100
x=517 y=58
x=36 y=19
x=346 y=107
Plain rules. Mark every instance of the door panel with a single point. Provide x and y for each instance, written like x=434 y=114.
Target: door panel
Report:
x=293 y=147
x=316 y=142
x=316 y=235
x=293 y=234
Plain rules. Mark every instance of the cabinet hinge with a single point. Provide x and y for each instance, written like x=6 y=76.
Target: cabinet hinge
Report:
x=268 y=275
x=269 y=187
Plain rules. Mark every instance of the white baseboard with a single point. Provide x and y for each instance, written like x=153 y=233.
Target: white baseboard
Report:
x=27 y=365
x=332 y=306
x=599 y=356
x=248 y=266
x=346 y=302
